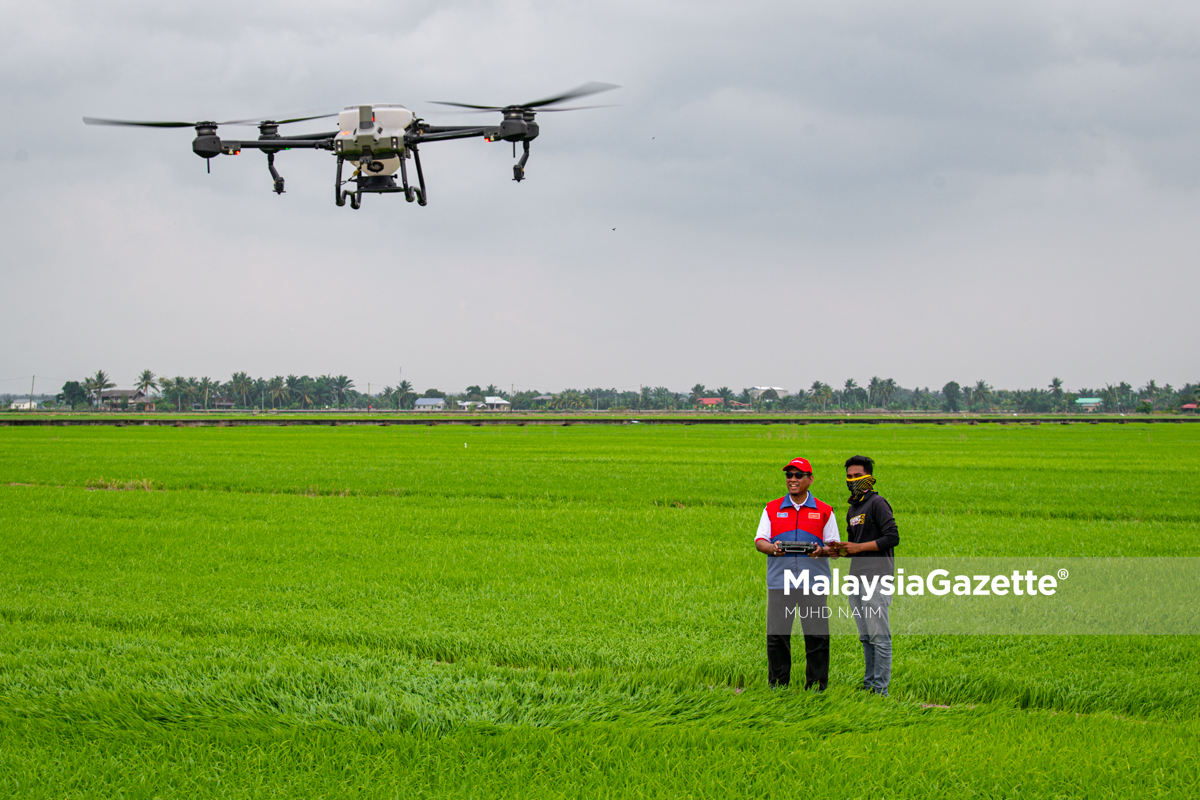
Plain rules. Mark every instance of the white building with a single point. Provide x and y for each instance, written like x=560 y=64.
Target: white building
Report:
x=431 y=404
x=496 y=404
x=758 y=391
x=27 y=405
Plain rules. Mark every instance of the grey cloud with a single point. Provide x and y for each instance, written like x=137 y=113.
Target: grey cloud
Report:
x=978 y=181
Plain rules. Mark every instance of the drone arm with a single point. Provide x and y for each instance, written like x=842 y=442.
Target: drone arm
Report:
x=447 y=134
x=303 y=136
x=277 y=144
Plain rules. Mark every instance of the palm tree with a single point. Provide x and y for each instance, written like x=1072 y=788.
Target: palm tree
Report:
x=822 y=393
x=874 y=387
x=166 y=389
x=98 y=384
x=1056 y=392
x=241 y=385
x=278 y=391
x=1149 y=392
x=192 y=390
x=292 y=382
x=570 y=399
x=1125 y=392
x=850 y=390
x=726 y=395
x=180 y=386
x=888 y=388
x=698 y=391
x=403 y=392
x=1111 y=398
x=983 y=393
x=205 y=389
x=260 y=391
x=306 y=391
x=146 y=382
x=340 y=385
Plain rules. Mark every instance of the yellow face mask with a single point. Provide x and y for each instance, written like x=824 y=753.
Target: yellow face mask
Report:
x=859 y=486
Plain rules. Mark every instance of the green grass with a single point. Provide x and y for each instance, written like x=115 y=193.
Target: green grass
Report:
x=554 y=612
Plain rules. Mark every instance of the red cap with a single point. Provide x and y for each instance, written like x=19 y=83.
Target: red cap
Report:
x=800 y=464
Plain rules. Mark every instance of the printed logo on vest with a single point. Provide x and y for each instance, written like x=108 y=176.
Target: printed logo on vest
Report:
x=814 y=515
x=781 y=514
x=858 y=520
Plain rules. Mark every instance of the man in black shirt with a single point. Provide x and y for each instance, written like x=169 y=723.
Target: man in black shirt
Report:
x=871 y=540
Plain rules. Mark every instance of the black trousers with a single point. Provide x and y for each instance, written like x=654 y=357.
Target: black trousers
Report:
x=782 y=612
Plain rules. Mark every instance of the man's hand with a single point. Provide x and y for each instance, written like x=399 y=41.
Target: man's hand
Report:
x=853 y=548
x=767 y=547
x=830 y=550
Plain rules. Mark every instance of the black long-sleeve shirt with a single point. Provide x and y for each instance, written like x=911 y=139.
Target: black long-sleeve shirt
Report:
x=872 y=521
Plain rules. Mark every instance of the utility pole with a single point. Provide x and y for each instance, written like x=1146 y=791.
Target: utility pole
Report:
x=32 y=379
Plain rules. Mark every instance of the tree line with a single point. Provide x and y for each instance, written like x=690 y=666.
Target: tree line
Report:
x=300 y=392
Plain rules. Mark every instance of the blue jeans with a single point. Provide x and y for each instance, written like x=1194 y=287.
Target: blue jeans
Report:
x=871 y=617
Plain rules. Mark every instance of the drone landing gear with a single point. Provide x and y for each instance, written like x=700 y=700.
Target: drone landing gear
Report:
x=519 y=167
x=274 y=174
x=340 y=196
x=378 y=184
x=413 y=192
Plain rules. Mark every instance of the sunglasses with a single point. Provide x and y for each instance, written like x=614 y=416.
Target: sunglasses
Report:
x=795 y=476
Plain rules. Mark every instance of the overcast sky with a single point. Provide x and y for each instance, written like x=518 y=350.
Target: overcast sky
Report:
x=799 y=191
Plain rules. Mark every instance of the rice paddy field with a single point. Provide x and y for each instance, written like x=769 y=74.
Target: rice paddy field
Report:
x=494 y=612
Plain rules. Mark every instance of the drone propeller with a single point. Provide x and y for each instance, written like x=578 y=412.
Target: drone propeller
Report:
x=139 y=124
x=488 y=110
x=579 y=91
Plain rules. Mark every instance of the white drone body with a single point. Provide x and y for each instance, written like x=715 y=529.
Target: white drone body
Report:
x=377 y=130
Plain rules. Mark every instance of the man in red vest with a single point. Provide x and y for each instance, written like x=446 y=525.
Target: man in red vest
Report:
x=796 y=517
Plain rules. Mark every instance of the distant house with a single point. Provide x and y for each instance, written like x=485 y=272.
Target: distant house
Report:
x=543 y=398
x=431 y=404
x=709 y=402
x=758 y=391
x=29 y=405
x=1189 y=407
x=496 y=404
x=1088 y=403
x=126 y=398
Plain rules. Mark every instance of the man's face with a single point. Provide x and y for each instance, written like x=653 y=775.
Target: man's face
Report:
x=798 y=482
x=856 y=471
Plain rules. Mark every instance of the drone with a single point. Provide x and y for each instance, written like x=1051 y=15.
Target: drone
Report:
x=376 y=139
